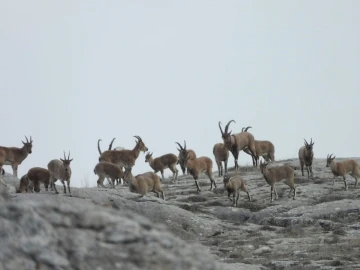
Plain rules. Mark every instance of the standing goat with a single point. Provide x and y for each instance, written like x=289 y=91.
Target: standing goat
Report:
x=276 y=174
x=306 y=156
x=221 y=154
x=124 y=158
x=37 y=175
x=263 y=149
x=341 y=168
x=14 y=156
x=200 y=165
x=143 y=183
x=183 y=154
x=108 y=170
x=60 y=169
x=163 y=162
x=24 y=185
x=237 y=142
x=233 y=185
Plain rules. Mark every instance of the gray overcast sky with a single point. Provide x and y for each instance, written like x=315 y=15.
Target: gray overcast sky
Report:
x=72 y=72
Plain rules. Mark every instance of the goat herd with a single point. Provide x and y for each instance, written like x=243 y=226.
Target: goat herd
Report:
x=116 y=164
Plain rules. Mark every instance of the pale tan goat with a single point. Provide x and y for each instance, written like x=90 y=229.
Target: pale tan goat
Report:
x=60 y=170
x=263 y=149
x=233 y=184
x=144 y=183
x=183 y=154
x=341 y=168
x=163 y=162
x=38 y=175
x=276 y=174
x=221 y=154
x=108 y=170
x=14 y=156
x=200 y=165
x=237 y=142
x=306 y=156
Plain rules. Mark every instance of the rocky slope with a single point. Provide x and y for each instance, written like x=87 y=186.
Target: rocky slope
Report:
x=104 y=228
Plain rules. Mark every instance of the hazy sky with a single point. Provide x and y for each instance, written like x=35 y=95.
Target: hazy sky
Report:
x=72 y=72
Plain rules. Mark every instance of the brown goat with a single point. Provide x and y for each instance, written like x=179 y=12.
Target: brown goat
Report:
x=233 y=185
x=237 y=142
x=306 y=156
x=200 y=165
x=109 y=170
x=124 y=158
x=14 y=156
x=341 y=168
x=143 y=183
x=276 y=174
x=60 y=169
x=163 y=162
x=24 y=185
x=37 y=175
x=221 y=154
x=183 y=154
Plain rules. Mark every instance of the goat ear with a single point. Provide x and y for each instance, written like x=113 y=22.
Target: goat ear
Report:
x=70 y=160
x=61 y=159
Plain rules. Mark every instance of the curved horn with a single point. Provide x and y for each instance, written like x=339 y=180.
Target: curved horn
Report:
x=99 y=146
x=227 y=126
x=180 y=146
x=184 y=145
x=110 y=145
x=306 y=142
x=26 y=139
x=246 y=129
x=242 y=130
x=137 y=137
x=311 y=142
x=222 y=133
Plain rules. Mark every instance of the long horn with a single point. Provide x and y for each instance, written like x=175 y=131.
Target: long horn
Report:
x=184 y=145
x=180 y=146
x=68 y=156
x=222 y=133
x=137 y=137
x=31 y=140
x=306 y=142
x=227 y=126
x=311 y=142
x=110 y=145
x=26 y=139
x=246 y=129
x=99 y=146
x=64 y=156
x=242 y=130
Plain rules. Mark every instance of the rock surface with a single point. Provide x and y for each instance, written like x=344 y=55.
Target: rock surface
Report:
x=101 y=228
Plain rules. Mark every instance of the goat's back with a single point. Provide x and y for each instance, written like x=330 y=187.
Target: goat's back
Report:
x=166 y=159
x=123 y=157
x=39 y=174
x=350 y=166
x=279 y=173
x=244 y=139
x=108 y=169
x=264 y=147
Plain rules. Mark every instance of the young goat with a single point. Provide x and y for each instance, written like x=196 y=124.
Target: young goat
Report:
x=124 y=158
x=108 y=170
x=200 y=165
x=306 y=155
x=341 y=168
x=276 y=174
x=14 y=156
x=183 y=153
x=237 y=142
x=221 y=154
x=163 y=162
x=143 y=183
x=60 y=169
x=25 y=185
x=233 y=185
x=38 y=175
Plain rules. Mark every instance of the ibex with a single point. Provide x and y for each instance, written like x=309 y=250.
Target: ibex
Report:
x=14 y=156
x=24 y=185
x=183 y=154
x=306 y=156
x=163 y=162
x=221 y=154
x=37 y=175
x=124 y=158
x=143 y=183
x=263 y=149
x=109 y=170
x=276 y=174
x=60 y=169
x=341 y=168
x=233 y=185
x=237 y=142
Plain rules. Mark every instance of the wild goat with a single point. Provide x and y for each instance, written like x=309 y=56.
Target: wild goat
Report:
x=109 y=170
x=221 y=154
x=124 y=158
x=163 y=162
x=37 y=175
x=60 y=169
x=24 y=185
x=143 y=183
x=233 y=185
x=200 y=165
x=276 y=174
x=14 y=156
x=237 y=142
x=183 y=153
x=306 y=156
x=341 y=168
x=263 y=149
